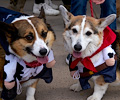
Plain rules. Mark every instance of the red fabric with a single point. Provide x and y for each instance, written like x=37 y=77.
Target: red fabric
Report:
x=109 y=38
x=33 y=64
x=91 y=8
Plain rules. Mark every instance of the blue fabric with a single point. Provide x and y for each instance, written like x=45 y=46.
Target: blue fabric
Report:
x=79 y=7
x=45 y=74
x=109 y=75
x=7 y=16
x=107 y=8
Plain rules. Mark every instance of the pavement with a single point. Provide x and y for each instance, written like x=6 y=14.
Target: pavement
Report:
x=59 y=88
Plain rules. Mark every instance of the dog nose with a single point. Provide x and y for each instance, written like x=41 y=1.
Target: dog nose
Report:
x=77 y=47
x=43 y=51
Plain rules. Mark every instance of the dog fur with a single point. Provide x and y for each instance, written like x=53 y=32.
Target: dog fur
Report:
x=26 y=32
x=74 y=32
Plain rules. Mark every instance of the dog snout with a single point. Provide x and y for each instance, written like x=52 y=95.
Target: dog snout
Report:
x=43 y=51
x=77 y=47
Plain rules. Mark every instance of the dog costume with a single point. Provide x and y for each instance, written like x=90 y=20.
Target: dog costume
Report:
x=89 y=68
x=15 y=69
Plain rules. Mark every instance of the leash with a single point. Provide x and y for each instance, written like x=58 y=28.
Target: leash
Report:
x=91 y=8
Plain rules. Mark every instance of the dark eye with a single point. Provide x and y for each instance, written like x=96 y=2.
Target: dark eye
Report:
x=29 y=37
x=44 y=34
x=88 y=33
x=74 y=30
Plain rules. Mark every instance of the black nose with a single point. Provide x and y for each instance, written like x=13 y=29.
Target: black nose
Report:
x=77 y=47
x=43 y=51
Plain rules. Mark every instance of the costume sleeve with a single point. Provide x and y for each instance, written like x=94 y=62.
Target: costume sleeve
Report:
x=51 y=56
x=10 y=68
x=108 y=52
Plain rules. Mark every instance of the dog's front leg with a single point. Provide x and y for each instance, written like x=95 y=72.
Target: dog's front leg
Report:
x=76 y=87
x=31 y=91
x=99 y=88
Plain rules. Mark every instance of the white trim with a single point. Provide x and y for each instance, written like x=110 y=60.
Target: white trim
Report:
x=22 y=18
x=83 y=24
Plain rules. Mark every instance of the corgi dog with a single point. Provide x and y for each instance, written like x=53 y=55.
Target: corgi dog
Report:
x=25 y=53
x=92 y=54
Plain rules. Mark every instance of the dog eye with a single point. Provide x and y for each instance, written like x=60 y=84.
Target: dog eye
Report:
x=44 y=34
x=88 y=33
x=29 y=37
x=74 y=30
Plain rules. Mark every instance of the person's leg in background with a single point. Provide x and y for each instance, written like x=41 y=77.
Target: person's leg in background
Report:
x=67 y=4
x=48 y=9
x=49 y=2
x=107 y=8
x=78 y=7
x=37 y=6
x=17 y=5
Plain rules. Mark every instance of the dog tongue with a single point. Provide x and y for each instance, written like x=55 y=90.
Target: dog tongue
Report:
x=76 y=54
x=42 y=60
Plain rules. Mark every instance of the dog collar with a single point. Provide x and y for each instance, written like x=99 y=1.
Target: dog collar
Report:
x=33 y=64
x=109 y=38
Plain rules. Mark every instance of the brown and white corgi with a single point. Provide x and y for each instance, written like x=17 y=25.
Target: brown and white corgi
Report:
x=29 y=55
x=84 y=38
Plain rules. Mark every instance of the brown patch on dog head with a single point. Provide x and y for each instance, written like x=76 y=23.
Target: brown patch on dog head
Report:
x=8 y=30
x=50 y=39
x=100 y=81
x=75 y=20
x=22 y=40
x=94 y=23
x=40 y=26
x=45 y=31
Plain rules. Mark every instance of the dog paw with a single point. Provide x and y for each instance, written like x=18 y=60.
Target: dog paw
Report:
x=30 y=98
x=93 y=98
x=76 y=87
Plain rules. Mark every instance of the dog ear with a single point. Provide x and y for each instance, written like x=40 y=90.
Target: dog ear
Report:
x=7 y=29
x=104 y=22
x=42 y=14
x=66 y=15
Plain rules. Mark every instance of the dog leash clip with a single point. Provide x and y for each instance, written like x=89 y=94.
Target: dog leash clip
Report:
x=76 y=75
